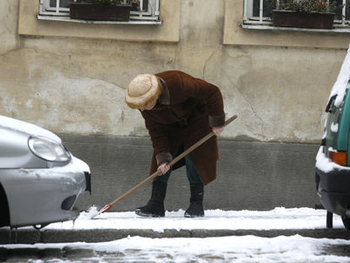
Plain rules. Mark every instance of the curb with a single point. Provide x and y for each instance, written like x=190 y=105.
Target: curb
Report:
x=32 y=236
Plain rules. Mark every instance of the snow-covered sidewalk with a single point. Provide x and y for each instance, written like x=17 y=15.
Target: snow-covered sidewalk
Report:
x=246 y=248
x=278 y=218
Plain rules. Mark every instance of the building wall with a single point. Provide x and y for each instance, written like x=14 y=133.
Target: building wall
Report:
x=251 y=175
x=70 y=78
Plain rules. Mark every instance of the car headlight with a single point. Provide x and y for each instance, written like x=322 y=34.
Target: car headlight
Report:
x=48 y=149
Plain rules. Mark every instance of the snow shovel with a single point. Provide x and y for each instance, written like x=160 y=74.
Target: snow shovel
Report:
x=157 y=173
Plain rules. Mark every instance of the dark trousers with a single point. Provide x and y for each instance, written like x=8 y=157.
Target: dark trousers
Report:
x=191 y=171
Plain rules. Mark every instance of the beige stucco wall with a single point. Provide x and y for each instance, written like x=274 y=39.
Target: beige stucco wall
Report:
x=74 y=81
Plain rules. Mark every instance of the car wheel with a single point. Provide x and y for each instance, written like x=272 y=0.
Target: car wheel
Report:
x=4 y=208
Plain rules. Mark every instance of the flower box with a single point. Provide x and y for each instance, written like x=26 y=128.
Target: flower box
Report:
x=287 y=18
x=100 y=12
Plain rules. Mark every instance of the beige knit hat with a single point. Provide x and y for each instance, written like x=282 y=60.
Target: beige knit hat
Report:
x=143 y=91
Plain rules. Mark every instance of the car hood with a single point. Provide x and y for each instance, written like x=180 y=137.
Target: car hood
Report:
x=27 y=128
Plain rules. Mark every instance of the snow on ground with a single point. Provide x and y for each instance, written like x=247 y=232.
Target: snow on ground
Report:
x=245 y=249
x=278 y=218
x=288 y=249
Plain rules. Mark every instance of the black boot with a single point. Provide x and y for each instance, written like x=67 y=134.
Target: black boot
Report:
x=155 y=206
x=196 y=206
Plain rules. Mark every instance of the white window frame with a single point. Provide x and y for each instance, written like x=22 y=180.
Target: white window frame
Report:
x=45 y=9
x=61 y=13
x=152 y=14
x=249 y=19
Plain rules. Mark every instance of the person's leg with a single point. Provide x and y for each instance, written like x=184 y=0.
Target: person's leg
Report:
x=197 y=190
x=155 y=206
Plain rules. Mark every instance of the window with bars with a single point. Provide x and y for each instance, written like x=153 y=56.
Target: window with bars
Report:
x=259 y=12
x=147 y=10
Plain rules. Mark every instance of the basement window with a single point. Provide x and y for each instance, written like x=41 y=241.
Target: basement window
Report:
x=147 y=12
x=259 y=12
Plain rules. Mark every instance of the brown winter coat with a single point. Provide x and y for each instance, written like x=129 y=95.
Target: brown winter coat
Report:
x=186 y=110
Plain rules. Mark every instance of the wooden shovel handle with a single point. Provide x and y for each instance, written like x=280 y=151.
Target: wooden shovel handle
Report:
x=158 y=173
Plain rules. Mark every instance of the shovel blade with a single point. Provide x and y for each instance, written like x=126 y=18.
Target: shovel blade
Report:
x=105 y=208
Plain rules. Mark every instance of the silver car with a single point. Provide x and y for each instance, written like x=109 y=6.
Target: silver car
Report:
x=40 y=180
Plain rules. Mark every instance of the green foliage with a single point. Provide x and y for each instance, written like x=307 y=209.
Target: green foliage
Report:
x=306 y=6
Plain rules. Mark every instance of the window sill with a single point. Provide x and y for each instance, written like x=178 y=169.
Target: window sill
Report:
x=274 y=28
x=67 y=19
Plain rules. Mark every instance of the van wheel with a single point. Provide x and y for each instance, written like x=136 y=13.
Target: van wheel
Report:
x=346 y=222
x=4 y=208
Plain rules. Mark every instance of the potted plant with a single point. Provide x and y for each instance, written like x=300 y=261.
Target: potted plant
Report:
x=110 y=10
x=304 y=13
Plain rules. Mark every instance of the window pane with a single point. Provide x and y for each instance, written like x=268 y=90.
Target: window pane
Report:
x=338 y=12
x=256 y=4
x=63 y=3
x=145 y=6
x=136 y=6
x=269 y=5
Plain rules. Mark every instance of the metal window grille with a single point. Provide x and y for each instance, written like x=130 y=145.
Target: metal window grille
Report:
x=149 y=9
x=260 y=12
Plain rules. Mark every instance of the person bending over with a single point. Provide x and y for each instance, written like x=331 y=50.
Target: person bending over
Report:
x=178 y=110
